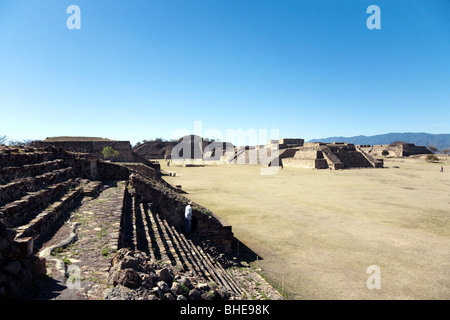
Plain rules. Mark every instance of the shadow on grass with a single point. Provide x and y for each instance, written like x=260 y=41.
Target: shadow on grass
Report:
x=243 y=252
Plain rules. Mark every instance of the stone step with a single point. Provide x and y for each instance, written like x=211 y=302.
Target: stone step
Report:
x=46 y=220
x=215 y=271
x=154 y=235
x=14 y=157
x=184 y=257
x=223 y=274
x=164 y=255
x=91 y=188
x=146 y=243
x=210 y=269
x=174 y=254
x=193 y=252
x=151 y=239
x=214 y=275
x=8 y=174
x=17 y=189
x=126 y=237
x=192 y=262
x=168 y=243
x=19 y=212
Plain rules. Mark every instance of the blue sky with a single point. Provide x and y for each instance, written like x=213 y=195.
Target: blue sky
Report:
x=145 y=69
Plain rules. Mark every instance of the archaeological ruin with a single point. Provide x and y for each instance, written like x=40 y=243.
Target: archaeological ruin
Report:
x=43 y=188
x=286 y=152
x=330 y=155
x=47 y=185
x=397 y=149
x=94 y=147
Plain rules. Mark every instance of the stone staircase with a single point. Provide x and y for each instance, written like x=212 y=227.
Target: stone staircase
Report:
x=145 y=230
x=349 y=156
x=40 y=188
x=36 y=190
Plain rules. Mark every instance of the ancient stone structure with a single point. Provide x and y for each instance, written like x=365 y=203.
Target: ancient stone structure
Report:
x=286 y=152
x=399 y=149
x=37 y=186
x=337 y=156
x=153 y=224
x=190 y=147
x=267 y=155
x=94 y=146
x=155 y=149
x=295 y=153
x=287 y=143
x=40 y=187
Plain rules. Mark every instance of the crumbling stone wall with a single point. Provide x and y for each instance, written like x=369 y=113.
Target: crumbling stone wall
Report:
x=111 y=171
x=37 y=186
x=18 y=266
x=171 y=206
x=398 y=149
x=95 y=149
x=307 y=157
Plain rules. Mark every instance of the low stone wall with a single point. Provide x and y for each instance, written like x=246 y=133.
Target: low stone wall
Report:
x=411 y=149
x=17 y=189
x=21 y=156
x=305 y=163
x=18 y=266
x=9 y=174
x=143 y=170
x=16 y=212
x=45 y=221
x=91 y=147
x=95 y=149
x=110 y=171
x=171 y=206
x=398 y=150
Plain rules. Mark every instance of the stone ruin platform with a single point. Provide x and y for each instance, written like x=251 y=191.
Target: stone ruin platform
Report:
x=62 y=211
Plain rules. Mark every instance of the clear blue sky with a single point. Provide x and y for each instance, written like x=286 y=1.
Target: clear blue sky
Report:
x=143 y=69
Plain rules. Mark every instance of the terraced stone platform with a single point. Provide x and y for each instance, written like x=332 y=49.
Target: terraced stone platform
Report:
x=148 y=232
x=60 y=228
x=38 y=187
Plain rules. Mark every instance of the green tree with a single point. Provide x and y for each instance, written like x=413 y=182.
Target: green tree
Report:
x=109 y=153
x=385 y=153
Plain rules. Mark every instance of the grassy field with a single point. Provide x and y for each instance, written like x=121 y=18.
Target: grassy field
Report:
x=318 y=231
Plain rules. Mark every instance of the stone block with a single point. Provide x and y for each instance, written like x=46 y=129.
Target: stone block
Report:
x=25 y=246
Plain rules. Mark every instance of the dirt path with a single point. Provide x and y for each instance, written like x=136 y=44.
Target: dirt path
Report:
x=86 y=260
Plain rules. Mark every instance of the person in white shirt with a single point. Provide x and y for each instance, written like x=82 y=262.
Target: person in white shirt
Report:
x=188 y=217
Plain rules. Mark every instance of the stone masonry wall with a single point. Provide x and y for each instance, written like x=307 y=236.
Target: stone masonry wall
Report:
x=18 y=266
x=171 y=206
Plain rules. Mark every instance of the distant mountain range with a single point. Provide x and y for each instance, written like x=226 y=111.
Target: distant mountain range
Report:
x=440 y=141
